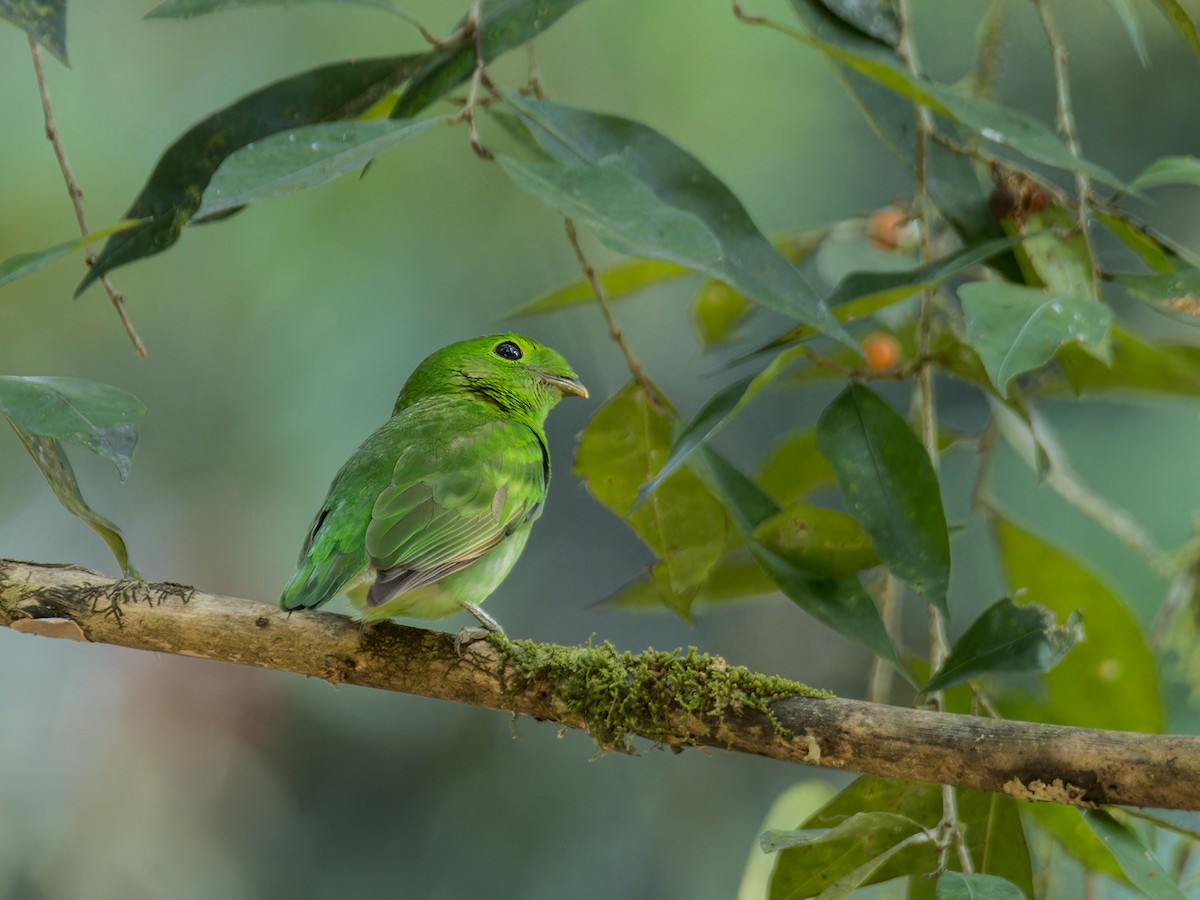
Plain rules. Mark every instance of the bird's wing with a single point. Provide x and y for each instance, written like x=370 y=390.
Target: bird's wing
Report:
x=449 y=505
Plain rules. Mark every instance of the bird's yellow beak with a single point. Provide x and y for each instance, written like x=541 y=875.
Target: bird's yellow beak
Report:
x=565 y=384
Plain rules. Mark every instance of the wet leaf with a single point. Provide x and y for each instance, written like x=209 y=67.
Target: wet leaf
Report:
x=821 y=541
x=890 y=487
x=95 y=416
x=304 y=158
x=43 y=20
x=27 y=263
x=1016 y=329
x=504 y=24
x=1008 y=638
x=682 y=522
x=646 y=197
x=52 y=460
x=1108 y=681
x=173 y=193
x=1136 y=860
x=1137 y=365
x=1175 y=294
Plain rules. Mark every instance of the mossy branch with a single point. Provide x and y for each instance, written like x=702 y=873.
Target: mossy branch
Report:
x=678 y=701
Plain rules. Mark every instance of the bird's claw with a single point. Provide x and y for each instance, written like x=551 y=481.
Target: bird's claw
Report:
x=470 y=635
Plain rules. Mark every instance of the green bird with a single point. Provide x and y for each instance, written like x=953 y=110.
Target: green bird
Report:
x=430 y=513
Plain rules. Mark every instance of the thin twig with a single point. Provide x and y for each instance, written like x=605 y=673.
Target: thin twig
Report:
x=614 y=332
x=879 y=687
x=950 y=833
x=479 y=77
x=118 y=300
x=1066 y=127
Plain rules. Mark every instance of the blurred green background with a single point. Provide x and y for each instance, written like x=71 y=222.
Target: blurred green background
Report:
x=278 y=340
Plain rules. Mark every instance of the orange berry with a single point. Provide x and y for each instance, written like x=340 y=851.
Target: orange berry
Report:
x=882 y=351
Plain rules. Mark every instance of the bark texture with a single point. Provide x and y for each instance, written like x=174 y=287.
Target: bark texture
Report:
x=674 y=700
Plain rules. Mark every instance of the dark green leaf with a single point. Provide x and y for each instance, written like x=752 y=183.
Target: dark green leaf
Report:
x=27 y=263
x=987 y=120
x=504 y=24
x=187 y=9
x=891 y=488
x=957 y=886
x=1169 y=170
x=841 y=603
x=717 y=413
x=1007 y=638
x=52 y=460
x=1065 y=826
x=682 y=522
x=173 y=194
x=43 y=20
x=647 y=197
x=1176 y=294
x=1181 y=821
x=100 y=418
x=1016 y=329
x=304 y=158
x=1138 y=863
x=994 y=837
x=868 y=818
x=1133 y=27
x=824 y=542
x=875 y=18
x=794 y=467
x=1183 y=23
x=1108 y=681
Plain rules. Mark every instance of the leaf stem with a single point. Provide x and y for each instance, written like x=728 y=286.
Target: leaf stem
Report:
x=76 y=193
x=1066 y=127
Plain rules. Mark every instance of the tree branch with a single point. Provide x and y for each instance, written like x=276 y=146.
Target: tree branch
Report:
x=674 y=700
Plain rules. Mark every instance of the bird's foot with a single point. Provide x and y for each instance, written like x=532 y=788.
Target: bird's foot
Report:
x=470 y=635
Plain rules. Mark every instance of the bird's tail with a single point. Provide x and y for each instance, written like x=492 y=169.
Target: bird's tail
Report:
x=316 y=582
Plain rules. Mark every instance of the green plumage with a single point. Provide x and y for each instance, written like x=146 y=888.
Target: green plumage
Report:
x=434 y=508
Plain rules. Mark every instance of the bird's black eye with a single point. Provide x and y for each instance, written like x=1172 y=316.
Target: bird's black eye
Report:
x=508 y=350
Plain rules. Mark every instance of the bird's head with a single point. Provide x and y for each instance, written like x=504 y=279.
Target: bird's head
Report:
x=514 y=372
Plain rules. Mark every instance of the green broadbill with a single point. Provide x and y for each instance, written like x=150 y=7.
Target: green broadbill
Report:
x=430 y=513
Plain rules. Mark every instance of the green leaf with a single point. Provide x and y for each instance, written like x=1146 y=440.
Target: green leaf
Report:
x=1157 y=251
x=1181 y=821
x=1133 y=27
x=717 y=413
x=50 y=457
x=990 y=121
x=647 y=197
x=1175 y=294
x=95 y=416
x=821 y=541
x=1137 y=365
x=867 y=819
x=794 y=467
x=1183 y=23
x=1169 y=170
x=304 y=158
x=43 y=20
x=683 y=523
x=957 y=886
x=1108 y=681
x=620 y=281
x=1066 y=827
x=173 y=193
x=1138 y=863
x=876 y=19
x=1016 y=329
x=27 y=263
x=188 y=9
x=890 y=486
x=736 y=576
x=504 y=24
x=1007 y=638
x=840 y=603
x=1057 y=253
x=994 y=837
x=717 y=311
